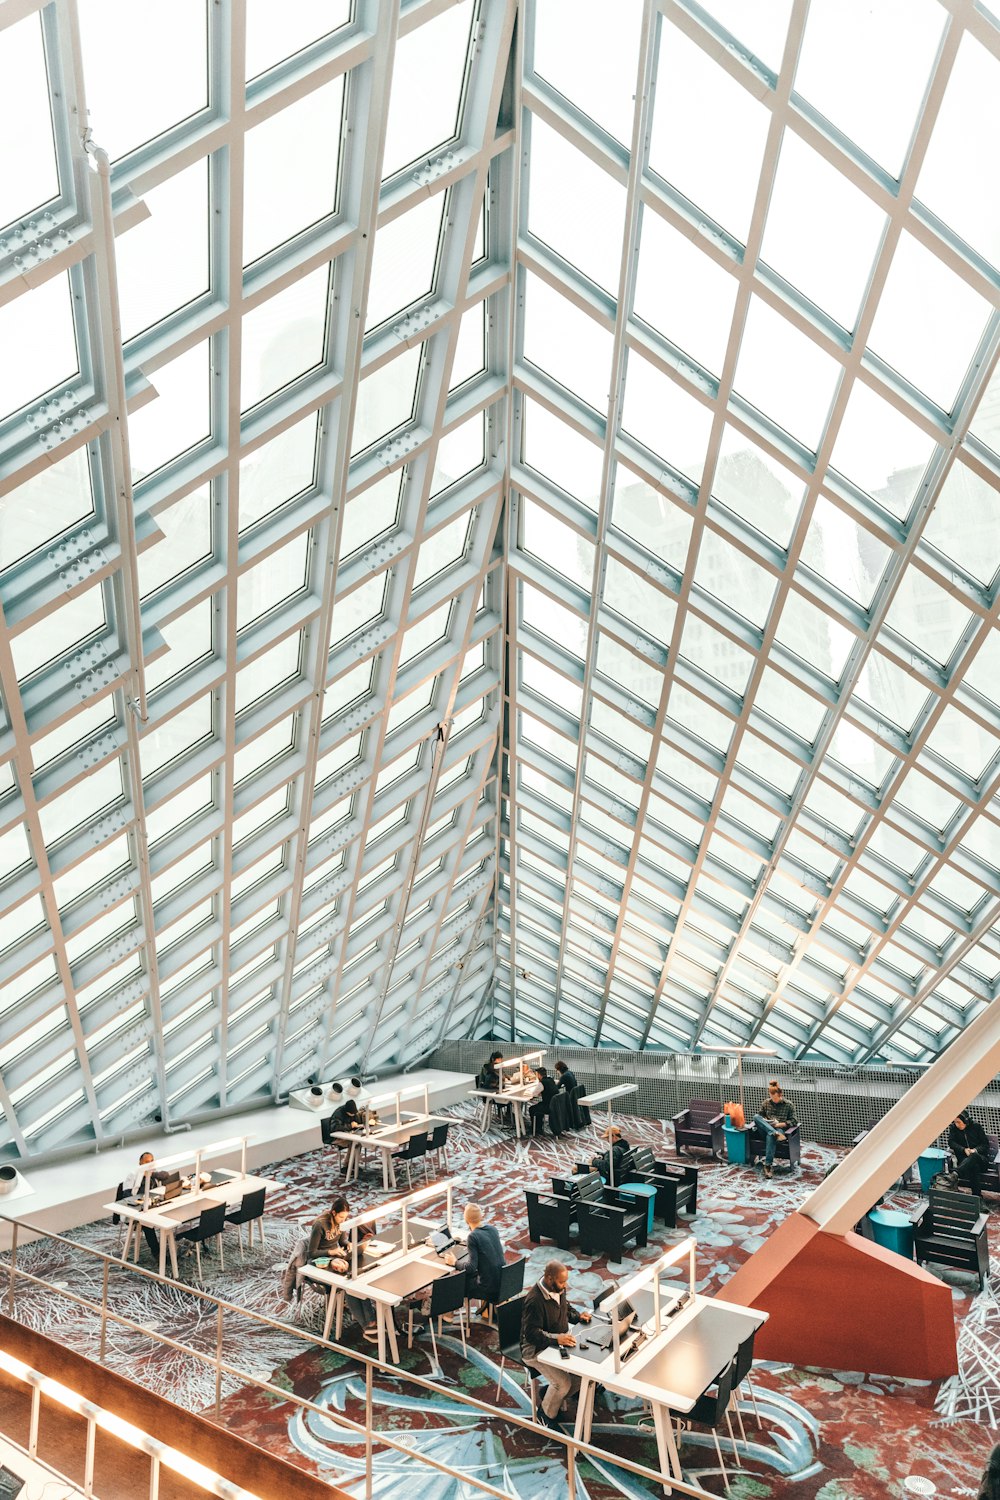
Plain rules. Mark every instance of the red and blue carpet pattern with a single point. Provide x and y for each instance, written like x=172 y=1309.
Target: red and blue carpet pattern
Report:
x=826 y=1434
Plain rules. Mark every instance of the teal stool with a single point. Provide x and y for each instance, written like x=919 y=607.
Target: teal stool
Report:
x=930 y=1163
x=893 y=1231
x=736 y=1143
x=643 y=1190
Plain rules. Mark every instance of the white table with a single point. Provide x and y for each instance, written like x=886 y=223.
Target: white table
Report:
x=670 y=1371
x=167 y=1218
x=518 y=1098
x=385 y=1140
x=385 y=1284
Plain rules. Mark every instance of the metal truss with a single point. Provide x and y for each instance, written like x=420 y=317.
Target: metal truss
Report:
x=692 y=852
x=415 y=622
x=251 y=705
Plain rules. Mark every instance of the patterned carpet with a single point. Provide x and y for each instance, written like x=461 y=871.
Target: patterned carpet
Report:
x=827 y=1435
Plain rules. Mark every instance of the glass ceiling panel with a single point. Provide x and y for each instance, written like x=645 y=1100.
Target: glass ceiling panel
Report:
x=288 y=184
x=129 y=106
x=30 y=177
x=642 y=520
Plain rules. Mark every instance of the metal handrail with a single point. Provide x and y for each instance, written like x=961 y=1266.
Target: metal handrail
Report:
x=574 y=1447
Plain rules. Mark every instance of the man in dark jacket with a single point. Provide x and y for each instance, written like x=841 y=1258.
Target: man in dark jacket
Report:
x=618 y=1147
x=968 y=1143
x=484 y=1258
x=545 y=1321
x=542 y=1104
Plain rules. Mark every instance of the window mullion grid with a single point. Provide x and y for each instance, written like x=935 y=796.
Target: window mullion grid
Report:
x=365 y=136
x=10 y=692
x=740 y=309
x=932 y=867
x=454 y=864
x=454 y=267
x=225 y=500
x=628 y=265
x=852 y=364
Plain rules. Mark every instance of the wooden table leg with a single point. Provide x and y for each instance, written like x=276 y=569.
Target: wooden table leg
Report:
x=163 y=1253
x=584 y=1406
x=331 y=1298
x=386 y=1168
x=666 y=1448
x=391 y=1330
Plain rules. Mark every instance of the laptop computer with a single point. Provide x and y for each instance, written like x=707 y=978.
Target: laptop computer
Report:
x=11 y=1484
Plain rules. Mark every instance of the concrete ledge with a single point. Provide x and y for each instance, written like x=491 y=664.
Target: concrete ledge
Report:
x=65 y=1194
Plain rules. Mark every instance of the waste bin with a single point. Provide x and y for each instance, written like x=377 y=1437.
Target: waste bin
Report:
x=736 y=1144
x=892 y=1230
x=930 y=1163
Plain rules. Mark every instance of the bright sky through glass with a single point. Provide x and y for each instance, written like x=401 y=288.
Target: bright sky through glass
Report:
x=712 y=432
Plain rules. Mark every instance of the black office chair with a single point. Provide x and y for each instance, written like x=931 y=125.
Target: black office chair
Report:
x=211 y=1223
x=415 y=1148
x=579 y=1114
x=511 y=1283
x=249 y=1212
x=438 y=1144
x=710 y=1410
x=742 y=1365
x=509 y=1315
x=447 y=1296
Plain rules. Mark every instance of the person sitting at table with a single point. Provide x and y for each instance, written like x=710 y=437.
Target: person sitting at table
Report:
x=328 y=1241
x=489 y=1073
x=545 y=1321
x=617 y=1149
x=540 y=1108
x=774 y=1117
x=567 y=1078
x=135 y=1183
x=347 y=1117
x=968 y=1143
x=483 y=1260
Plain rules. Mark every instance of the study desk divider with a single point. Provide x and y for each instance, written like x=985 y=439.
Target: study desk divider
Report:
x=394 y=1100
x=530 y=1059
x=649 y=1276
x=195 y=1154
x=607 y=1096
x=404 y=1204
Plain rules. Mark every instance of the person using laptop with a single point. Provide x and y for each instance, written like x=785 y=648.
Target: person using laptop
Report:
x=545 y=1321
x=775 y=1116
x=617 y=1147
x=483 y=1260
x=328 y=1242
x=135 y=1185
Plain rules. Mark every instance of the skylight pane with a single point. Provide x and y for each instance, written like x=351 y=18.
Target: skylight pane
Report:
x=785 y=375
x=163 y=261
x=129 y=106
x=43 y=507
x=928 y=323
x=178 y=418
x=660 y=413
x=717 y=165
x=30 y=176
x=404 y=260
x=273 y=474
x=288 y=183
x=427 y=79
x=886 y=51
x=39 y=325
x=599 y=80
x=575 y=207
x=276 y=32
x=284 y=337
x=683 y=293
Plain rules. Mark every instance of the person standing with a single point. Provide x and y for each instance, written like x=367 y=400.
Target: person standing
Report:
x=968 y=1143
x=567 y=1078
x=775 y=1116
x=545 y=1321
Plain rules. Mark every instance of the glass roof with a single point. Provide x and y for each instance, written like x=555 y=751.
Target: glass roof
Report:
x=497 y=535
